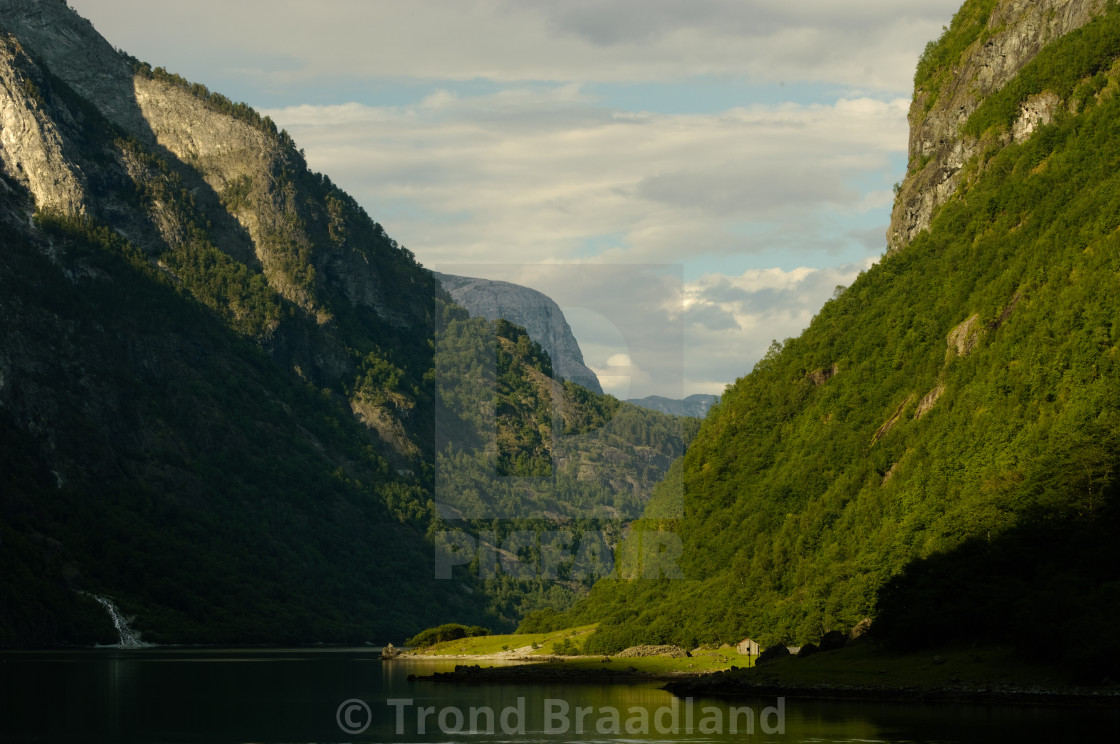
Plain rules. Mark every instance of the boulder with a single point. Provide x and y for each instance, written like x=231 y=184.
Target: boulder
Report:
x=772 y=653
x=863 y=627
x=807 y=650
x=832 y=640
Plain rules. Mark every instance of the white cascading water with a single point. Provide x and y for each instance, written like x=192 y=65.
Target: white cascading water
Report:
x=129 y=637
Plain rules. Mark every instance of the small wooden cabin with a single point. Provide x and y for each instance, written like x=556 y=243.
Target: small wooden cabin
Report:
x=747 y=647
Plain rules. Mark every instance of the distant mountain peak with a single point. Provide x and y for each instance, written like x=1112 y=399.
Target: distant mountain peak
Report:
x=535 y=311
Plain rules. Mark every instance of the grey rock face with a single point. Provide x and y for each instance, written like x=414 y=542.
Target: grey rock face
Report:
x=32 y=150
x=159 y=162
x=1020 y=30
x=73 y=50
x=534 y=311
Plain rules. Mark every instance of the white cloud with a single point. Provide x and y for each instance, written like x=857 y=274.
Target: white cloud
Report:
x=870 y=45
x=622 y=378
x=729 y=321
x=535 y=173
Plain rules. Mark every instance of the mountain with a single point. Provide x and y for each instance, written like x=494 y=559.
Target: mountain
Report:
x=229 y=400
x=939 y=449
x=535 y=312
x=694 y=405
x=212 y=368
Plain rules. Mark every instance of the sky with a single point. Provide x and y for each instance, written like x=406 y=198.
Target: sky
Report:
x=688 y=179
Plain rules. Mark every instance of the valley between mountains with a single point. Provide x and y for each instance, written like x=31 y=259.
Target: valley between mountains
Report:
x=233 y=404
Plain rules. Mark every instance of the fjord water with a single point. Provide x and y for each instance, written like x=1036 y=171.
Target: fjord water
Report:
x=191 y=695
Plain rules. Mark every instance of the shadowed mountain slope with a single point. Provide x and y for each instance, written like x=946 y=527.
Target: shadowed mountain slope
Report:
x=218 y=384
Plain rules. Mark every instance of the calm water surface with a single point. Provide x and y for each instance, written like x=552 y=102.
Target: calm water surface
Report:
x=336 y=695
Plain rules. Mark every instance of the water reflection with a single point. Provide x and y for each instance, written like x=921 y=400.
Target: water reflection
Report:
x=298 y=695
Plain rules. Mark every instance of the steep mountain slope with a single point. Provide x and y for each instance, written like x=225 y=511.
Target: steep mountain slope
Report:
x=225 y=203
x=219 y=398
x=150 y=454
x=534 y=311
x=152 y=451
x=543 y=427
x=938 y=448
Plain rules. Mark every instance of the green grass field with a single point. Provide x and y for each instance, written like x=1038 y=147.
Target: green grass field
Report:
x=545 y=645
x=700 y=662
x=542 y=644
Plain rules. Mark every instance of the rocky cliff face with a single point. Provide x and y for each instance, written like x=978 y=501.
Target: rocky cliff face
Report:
x=1006 y=38
x=31 y=149
x=532 y=310
x=70 y=47
x=219 y=199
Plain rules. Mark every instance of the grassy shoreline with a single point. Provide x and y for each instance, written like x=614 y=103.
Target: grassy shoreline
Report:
x=541 y=648
x=974 y=674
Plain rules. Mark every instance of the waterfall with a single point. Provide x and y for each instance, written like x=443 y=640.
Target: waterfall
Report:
x=129 y=637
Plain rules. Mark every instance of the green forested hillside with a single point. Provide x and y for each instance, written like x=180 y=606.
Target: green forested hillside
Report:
x=938 y=448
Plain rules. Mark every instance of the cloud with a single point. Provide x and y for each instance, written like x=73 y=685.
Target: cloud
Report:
x=546 y=175
x=869 y=45
x=759 y=186
x=730 y=321
x=622 y=378
x=630 y=21
x=540 y=172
